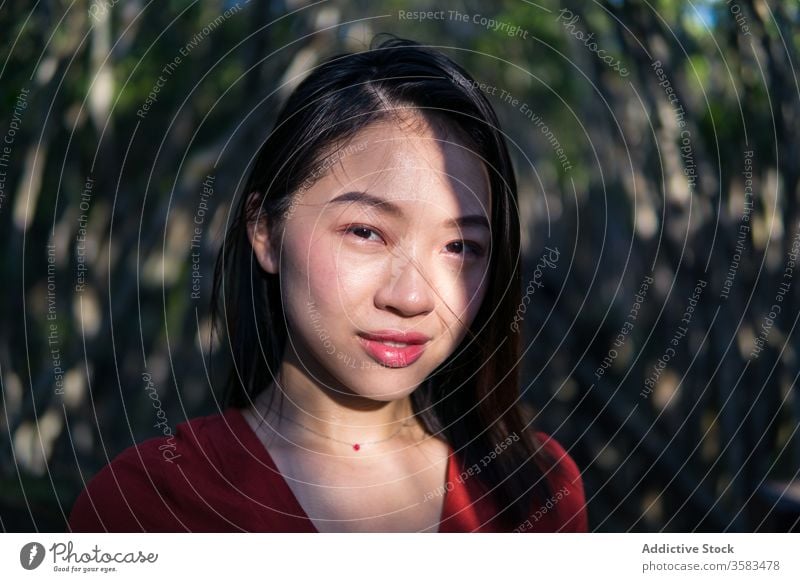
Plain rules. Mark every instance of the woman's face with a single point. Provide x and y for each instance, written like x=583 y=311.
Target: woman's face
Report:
x=393 y=238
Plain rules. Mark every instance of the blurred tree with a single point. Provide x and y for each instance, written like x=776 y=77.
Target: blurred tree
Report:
x=120 y=115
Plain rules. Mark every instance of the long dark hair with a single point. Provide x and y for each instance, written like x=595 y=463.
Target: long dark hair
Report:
x=472 y=399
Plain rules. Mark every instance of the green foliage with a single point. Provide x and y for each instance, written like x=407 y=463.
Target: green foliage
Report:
x=621 y=211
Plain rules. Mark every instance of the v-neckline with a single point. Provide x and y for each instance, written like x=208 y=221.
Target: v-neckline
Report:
x=300 y=513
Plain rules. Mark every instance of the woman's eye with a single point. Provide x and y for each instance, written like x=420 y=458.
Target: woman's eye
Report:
x=362 y=232
x=463 y=247
x=459 y=247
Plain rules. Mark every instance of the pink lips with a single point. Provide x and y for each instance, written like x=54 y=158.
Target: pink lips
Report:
x=394 y=356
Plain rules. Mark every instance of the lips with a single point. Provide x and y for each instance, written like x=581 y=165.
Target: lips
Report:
x=394 y=349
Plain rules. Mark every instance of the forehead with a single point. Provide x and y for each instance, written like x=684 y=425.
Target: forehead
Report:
x=409 y=160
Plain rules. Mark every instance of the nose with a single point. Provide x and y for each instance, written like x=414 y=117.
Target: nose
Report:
x=405 y=288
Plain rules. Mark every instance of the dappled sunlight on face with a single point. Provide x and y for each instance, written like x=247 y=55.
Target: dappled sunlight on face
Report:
x=394 y=237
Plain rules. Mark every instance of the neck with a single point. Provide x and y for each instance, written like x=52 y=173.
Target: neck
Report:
x=328 y=411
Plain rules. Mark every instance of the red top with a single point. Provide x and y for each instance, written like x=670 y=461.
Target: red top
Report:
x=215 y=475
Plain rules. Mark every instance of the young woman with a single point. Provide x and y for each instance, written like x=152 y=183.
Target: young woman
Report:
x=367 y=287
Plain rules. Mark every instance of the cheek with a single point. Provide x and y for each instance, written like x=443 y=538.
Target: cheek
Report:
x=478 y=295
x=468 y=298
x=317 y=268
x=466 y=307
x=301 y=269
x=466 y=290
x=348 y=275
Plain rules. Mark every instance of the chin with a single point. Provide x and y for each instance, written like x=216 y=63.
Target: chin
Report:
x=383 y=396
x=381 y=385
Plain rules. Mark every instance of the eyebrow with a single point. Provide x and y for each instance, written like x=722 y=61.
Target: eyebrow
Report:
x=387 y=207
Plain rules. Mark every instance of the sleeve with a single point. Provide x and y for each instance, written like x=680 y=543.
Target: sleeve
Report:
x=127 y=495
x=565 y=509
